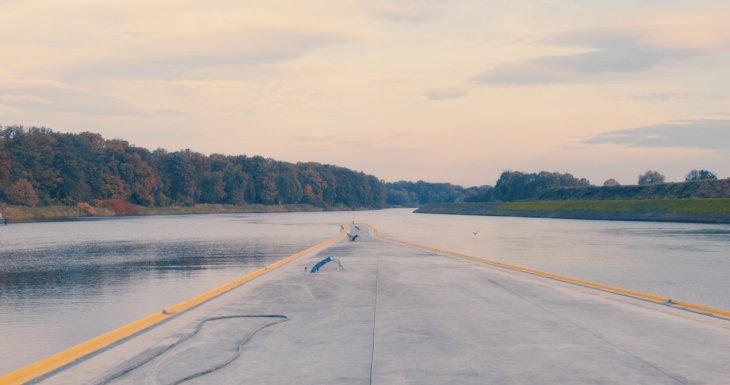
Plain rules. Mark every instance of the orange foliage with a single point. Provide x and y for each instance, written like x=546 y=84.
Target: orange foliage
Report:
x=86 y=208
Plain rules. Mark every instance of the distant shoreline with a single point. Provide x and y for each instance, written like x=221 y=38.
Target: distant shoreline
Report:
x=21 y=214
x=716 y=211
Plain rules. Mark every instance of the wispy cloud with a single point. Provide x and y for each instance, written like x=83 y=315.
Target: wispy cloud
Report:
x=527 y=73
x=322 y=139
x=699 y=134
x=441 y=93
x=565 y=4
x=167 y=112
x=603 y=53
x=39 y=96
x=403 y=10
x=667 y=96
x=249 y=48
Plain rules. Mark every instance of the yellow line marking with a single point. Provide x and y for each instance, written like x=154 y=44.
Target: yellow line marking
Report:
x=607 y=288
x=58 y=360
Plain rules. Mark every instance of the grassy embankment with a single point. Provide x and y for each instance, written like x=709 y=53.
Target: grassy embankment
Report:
x=48 y=213
x=45 y=213
x=676 y=210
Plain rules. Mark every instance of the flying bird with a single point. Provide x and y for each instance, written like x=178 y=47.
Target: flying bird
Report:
x=475 y=232
x=353 y=237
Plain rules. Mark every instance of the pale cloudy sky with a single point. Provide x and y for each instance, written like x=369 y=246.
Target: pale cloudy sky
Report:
x=453 y=91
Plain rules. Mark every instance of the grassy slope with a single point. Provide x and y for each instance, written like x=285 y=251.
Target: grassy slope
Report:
x=682 y=190
x=680 y=210
x=28 y=214
x=31 y=214
x=689 y=206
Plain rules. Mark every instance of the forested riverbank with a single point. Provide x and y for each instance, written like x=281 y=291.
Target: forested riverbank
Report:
x=39 y=167
x=46 y=175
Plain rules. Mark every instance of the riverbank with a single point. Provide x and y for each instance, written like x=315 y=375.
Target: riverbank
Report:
x=663 y=210
x=16 y=214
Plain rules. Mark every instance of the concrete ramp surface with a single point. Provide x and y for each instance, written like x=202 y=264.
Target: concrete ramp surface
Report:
x=398 y=315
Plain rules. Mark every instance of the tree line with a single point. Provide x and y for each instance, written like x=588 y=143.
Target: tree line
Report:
x=39 y=166
x=42 y=167
x=520 y=186
x=517 y=186
x=415 y=194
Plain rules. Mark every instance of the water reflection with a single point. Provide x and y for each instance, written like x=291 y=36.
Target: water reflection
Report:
x=48 y=272
x=62 y=283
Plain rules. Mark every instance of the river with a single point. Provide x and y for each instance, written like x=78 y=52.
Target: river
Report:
x=64 y=282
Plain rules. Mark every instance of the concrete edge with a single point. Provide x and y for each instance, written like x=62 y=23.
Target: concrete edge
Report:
x=670 y=302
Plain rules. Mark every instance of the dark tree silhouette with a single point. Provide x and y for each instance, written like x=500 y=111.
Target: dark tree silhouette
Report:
x=698 y=175
x=651 y=177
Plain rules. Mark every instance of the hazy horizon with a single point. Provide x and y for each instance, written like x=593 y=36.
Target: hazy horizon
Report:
x=402 y=89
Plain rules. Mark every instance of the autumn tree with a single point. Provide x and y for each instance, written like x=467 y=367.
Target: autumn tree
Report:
x=22 y=193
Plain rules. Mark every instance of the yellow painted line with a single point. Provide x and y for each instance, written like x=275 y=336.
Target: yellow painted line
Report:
x=58 y=360
x=720 y=313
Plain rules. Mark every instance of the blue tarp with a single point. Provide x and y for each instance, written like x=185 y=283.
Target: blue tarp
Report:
x=319 y=264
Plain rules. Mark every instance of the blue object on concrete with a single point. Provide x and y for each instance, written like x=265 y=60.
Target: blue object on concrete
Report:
x=319 y=264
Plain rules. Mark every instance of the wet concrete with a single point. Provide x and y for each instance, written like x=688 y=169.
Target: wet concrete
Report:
x=397 y=315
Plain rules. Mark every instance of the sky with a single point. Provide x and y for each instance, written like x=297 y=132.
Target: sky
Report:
x=444 y=91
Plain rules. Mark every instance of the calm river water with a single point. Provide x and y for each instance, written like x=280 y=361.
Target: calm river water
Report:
x=64 y=282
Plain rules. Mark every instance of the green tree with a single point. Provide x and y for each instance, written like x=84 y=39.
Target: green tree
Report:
x=515 y=185
x=698 y=175
x=314 y=184
x=651 y=177
x=183 y=188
